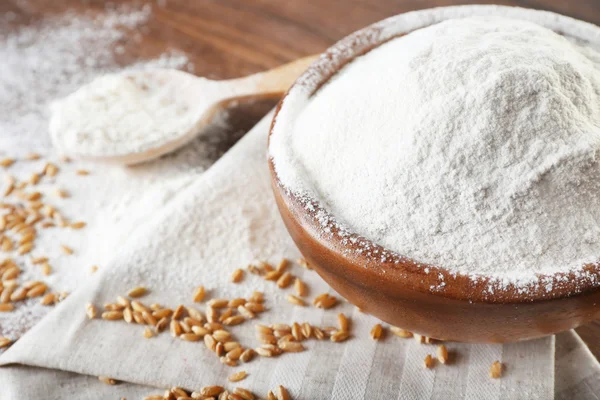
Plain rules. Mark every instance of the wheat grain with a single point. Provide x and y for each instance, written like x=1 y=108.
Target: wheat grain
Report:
x=263 y=329
x=228 y=346
x=247 y=355
x=237 y=275
x=19 y=294
x=496 y=370
x=199 y=294
x=238 y=376
x=46 y=269
x=179 y=311
x=234 y=303
x=234 y=354
x=296 y=300
x=221 y=335
x=175 y=328
x=226 y=314
x=107 y=380
x=428 y=361
x=148 y=333
x=128 y=315
x=297 y=332
x=208 y=391
x=263 y=352
x=218 y=303
x=285 y=280
x=137 y=292
x=113 y=307
x=112 y=315
x=343 y=322
x=37 y=290
x=291 y=347
x=90 y=311
x=245 y=312
x=213 y=326
x=197 y=315
x=161 y=325
x=376 y=332
x=442 y=354
x=7 y=162
x=255 y=307
x=66 y=249
x=401 y=332
x=48 y=299
x=300 y=287
x=257 y=297
x=339 y=336
x=78 y=225
x=282 y=393
x=7 y=292
x=138 y=318
x=5 y=342
x=210 y=342
x=149 y=318
x=138 y=306
x=244 y=393
x=11 y=273
x=265 y=267
x=234 y=320
x=32 y=156
x=190 y=337
x=178 y=392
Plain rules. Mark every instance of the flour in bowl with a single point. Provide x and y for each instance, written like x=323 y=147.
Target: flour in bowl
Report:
x=472 y=144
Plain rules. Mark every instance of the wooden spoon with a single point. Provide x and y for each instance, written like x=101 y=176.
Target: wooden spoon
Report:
x=133 y=117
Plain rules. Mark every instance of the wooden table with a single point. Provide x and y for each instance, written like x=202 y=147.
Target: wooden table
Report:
x=231 y=38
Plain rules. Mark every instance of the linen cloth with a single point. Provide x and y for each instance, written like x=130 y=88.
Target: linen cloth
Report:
x=222 y=222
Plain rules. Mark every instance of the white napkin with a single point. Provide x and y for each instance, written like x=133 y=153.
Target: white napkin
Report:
x=223 y=221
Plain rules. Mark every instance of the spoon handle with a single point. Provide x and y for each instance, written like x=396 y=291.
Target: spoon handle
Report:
x=271 y=83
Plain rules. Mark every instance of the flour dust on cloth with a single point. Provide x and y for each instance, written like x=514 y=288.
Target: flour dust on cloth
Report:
x=221 y=222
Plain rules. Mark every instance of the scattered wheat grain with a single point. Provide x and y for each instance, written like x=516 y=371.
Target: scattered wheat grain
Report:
x=496 y=370
x=237 y=276
x=428 y=361
x=238 y=376
x=107 y=380
x=376 y=332
x=442 y=354
x=137 y=292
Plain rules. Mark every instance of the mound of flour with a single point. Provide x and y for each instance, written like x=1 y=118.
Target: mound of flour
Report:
x=472 y=144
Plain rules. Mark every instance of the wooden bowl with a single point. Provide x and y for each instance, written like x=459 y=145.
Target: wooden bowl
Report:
x=425 y=299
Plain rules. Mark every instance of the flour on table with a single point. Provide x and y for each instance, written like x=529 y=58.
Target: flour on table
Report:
x=471 y=144
x=47 y=61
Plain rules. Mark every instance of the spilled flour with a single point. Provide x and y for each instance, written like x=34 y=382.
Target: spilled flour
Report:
x=49 y=60
x=472 y=144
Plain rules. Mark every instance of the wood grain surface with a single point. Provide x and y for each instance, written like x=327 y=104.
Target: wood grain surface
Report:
x=231 y=38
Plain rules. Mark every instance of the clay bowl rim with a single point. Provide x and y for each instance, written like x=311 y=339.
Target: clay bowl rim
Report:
x=406 y=272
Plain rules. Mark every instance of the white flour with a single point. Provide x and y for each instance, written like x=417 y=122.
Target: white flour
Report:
x=121 y=113
x=49 y=60
x=470 y=145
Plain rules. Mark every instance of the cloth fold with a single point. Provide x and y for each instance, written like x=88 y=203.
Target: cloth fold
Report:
x=221 y=222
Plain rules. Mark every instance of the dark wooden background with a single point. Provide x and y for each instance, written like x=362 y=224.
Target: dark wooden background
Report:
x=231 y=38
